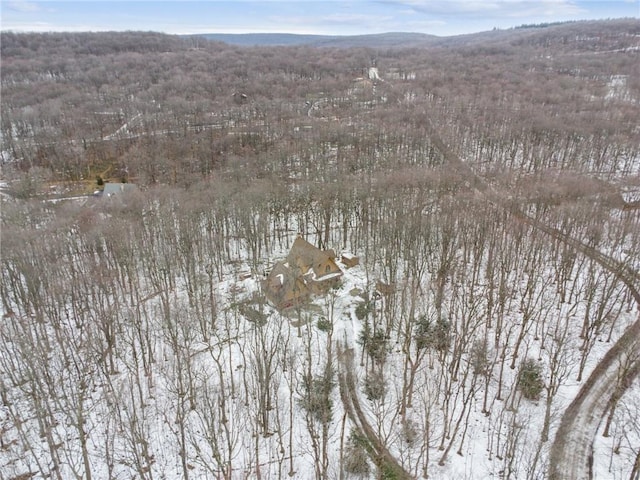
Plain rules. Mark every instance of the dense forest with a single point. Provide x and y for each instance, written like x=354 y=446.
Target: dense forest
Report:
x=488 y=183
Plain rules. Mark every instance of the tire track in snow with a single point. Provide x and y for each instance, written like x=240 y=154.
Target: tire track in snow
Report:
x=384 y=460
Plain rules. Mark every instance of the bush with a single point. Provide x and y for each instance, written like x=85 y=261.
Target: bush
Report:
x=317 y=396
x=479 y=360
x=355 y=459
x=375 y=386
x=409 y=432
x=323 y=325
x=530 y=380
x=436 y=336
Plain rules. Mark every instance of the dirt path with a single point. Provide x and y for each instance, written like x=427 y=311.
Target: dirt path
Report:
x=571 y=455
x=386 y=463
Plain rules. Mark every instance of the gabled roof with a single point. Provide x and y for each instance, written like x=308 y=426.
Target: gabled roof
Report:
x=328 y=276
x=280 y=273
x=283 y=288
x=307 y=270
x=303 y=249
x=308 y=257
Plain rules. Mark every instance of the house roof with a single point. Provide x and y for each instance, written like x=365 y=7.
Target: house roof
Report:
x=316 y=264
x=117 y=188
x=303 y=253
x=281 y=273
x=283 y=286
x=305 y=270
x=325 y=277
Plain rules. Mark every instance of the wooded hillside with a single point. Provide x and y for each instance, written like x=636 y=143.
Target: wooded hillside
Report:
x=489 y=185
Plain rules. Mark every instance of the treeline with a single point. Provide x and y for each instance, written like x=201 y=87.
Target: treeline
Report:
x=158 y=110
x=88 y=43
x=542 y=25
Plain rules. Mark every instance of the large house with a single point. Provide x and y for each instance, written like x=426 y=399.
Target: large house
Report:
x=306 y=271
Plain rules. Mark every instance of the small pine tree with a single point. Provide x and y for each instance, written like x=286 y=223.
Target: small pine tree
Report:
x=363 y=310
x=530 y=380
x=355 y=459
x=376 y=346
x=478 y=357
x=375 y=386
x=317 y=396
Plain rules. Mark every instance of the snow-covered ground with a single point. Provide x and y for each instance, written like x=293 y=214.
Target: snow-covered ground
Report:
x=614 y=455
x=617 y=89
x=210 y=395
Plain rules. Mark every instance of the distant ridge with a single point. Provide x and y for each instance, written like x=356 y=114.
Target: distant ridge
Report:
x=392 y=39
x=526 y=33
x=265 y=39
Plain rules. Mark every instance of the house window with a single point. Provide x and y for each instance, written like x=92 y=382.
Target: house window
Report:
x=327 y=269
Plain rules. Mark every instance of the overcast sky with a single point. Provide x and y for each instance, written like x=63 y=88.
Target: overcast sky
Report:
x=333 y=17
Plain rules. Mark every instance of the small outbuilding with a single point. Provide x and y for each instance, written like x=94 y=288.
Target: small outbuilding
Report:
x=113 y=189
x=349 y=260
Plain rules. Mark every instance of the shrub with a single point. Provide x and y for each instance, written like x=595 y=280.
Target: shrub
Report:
x=355 y=459
x=436 y=336
x=530 y=380
x=317 y=396
x=323 y=325
x=409 y=432
x=479 y=360
x=375 y=386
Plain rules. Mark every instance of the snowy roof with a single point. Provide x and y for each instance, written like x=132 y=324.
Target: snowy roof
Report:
x=116 y=188
x=302 y=252
x=326 y=277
